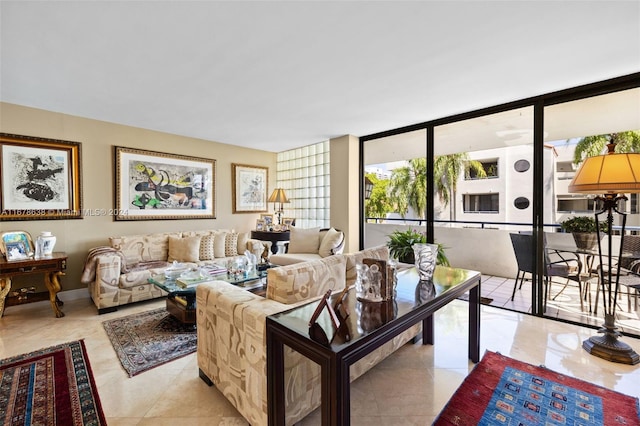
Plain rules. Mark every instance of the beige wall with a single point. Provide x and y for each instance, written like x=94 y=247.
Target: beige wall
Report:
x=76 y=236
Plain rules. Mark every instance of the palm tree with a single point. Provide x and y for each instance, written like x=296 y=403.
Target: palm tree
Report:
x=408 y=187
x=447 y=170
x=590 y=146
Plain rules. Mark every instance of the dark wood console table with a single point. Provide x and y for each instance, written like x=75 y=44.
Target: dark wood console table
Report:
x=369 y=327
x=273 y=236
x=51 y=266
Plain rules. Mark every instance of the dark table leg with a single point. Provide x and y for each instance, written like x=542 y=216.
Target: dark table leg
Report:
x=427 y=330
x=338 y=411
x=275 y=380
x=474 y=323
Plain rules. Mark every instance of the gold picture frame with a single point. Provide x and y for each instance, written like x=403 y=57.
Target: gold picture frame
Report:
x=155 y=185
x=39 y=178
x=249 y=188
x=268 y=220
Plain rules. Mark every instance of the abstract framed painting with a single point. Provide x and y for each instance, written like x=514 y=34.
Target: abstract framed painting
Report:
x=153 y=185
x=249 y=184
x=40 y=178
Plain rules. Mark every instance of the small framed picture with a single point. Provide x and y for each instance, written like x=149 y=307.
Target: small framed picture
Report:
x=260 y=225
x=16 y=245
x=287 y=223
x=268 y=219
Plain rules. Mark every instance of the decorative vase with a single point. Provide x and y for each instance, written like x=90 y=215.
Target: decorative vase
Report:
x=45 y=243
x=425 y=255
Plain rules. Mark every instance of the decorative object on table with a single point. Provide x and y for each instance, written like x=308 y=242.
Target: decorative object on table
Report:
x=425 y=256
x=146 y=340
x=249 y=185
x=16 y=245
x=55 y=387
x=287 y=223
x=584 y=230
x=278 y=196
x=502 y=390
x=39 y=178
x=369 y=276
x=401 y=246
x=612 y=174
x=175 y=270
x=268 y=221
x=155 y=185
x=385 y=282
x=316 y=332
x=45 y=242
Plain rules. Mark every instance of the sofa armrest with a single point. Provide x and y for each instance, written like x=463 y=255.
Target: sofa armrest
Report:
x=232 y=345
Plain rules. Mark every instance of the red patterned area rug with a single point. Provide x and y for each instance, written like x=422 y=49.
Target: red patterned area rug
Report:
x=52 y=386
x=504 y=391
x=149 y=339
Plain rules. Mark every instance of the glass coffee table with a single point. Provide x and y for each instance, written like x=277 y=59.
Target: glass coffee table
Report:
x=181 y=299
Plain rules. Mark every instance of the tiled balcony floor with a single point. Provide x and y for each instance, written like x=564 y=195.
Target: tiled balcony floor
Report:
x=563 y=304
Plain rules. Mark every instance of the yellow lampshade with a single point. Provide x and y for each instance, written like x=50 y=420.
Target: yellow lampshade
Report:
x=610 y=173
x=278 y=196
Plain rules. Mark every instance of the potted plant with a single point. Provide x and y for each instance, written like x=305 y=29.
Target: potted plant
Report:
x=401 y=246
x=584 y=231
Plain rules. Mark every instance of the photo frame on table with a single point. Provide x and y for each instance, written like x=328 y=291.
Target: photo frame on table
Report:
x=249 y=186
x=39 y=178
x=154 y=185
x=268 y=220
x=260 y=225
x=16 y=245
x=287 y=223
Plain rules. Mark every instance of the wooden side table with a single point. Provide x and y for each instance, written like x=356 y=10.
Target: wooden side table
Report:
x=273 y=236
x=51 y=266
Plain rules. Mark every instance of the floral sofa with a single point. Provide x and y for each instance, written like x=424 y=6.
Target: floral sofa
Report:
x=118 y=274
x=232 y=342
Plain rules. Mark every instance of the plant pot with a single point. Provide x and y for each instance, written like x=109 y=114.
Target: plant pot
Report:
x=586 y=240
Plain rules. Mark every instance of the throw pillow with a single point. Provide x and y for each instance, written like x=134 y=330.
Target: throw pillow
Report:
x=184 y=249
x=304 y=240
x=207 y=251
x=219 y=243
x=332 y=241
x=243 y=239
x=231 y=244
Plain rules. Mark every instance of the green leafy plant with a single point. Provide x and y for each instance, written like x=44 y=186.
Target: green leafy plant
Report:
x=582 y=224
x=401 y=246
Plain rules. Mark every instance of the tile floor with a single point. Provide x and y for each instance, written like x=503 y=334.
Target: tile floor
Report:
x=408 y=388
x=564 y=303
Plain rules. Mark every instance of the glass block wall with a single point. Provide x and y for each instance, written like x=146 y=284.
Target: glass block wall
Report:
x=304 y=175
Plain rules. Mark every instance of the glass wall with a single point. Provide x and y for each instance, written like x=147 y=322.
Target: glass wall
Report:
x=304 y=175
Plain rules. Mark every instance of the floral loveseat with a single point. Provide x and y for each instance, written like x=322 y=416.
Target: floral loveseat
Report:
x=232 y=342
x=117 y=274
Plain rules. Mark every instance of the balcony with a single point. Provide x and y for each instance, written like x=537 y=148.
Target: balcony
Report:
x=486 y=247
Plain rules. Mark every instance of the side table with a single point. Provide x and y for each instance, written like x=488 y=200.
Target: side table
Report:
x=273 y=236
x=51 y=266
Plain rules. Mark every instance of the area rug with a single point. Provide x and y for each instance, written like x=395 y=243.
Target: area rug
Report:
x=51 y=386
x=149 y=339
x=504 y=391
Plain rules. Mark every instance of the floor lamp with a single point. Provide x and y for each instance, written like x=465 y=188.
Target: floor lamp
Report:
x=612 y=175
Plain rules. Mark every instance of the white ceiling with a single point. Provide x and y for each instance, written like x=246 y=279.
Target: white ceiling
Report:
x=278 y=75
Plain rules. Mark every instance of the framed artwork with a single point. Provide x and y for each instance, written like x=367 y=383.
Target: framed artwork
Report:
x=16 y=245
x=287 y=223
x=40 y=178
x=260 y=225
x=249 y=185
x=154 y=185
x=268 y=220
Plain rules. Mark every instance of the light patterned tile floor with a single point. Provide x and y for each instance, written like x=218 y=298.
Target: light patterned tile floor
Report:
x=408 y=388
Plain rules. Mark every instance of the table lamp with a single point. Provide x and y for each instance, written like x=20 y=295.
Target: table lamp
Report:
x=613 y=175
x=278 y=196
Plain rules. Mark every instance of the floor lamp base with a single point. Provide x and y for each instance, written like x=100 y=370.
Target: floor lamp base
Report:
x=610 y=348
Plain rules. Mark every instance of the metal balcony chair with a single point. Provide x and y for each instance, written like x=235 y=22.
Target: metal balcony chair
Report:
x=629 y=271
x=560 y=264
